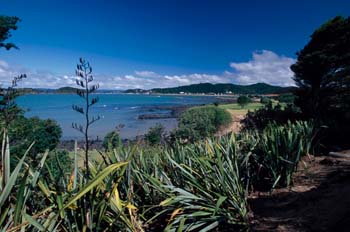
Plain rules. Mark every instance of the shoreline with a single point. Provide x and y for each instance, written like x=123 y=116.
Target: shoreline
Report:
x=149 y=94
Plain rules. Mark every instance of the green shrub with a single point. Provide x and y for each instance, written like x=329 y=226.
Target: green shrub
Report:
x=260 y=118
x=243 y=100
x=155 y=134
x=265 y=100
x=111 y=140
x=201 y=122
x=286 y=98
x=46 y=134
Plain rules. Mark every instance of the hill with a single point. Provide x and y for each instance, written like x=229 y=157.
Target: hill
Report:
x=207 y=88
x=66 y=90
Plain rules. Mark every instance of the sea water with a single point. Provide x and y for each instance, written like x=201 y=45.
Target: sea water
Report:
x=113 y=109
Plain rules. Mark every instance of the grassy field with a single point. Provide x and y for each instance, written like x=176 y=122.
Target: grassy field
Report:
x=237 y=110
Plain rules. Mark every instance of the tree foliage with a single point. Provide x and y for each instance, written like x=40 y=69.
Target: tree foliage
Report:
x=8 y=107
x=23 y=131
x=243 y=101
x=7 y=23
x=322 y=73
x=286 y=98
x=258 y=88
x=265 y=100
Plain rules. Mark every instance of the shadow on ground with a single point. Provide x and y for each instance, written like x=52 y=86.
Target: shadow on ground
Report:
x=319 y=200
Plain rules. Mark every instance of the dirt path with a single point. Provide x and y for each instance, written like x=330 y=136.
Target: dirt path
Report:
x=235 y=125
x=319 y=200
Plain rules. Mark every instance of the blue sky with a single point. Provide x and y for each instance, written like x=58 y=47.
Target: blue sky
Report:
x=145 y=44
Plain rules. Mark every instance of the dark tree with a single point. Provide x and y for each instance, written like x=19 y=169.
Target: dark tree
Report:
x=322 y=73
x=7 y=23
x=243 y=101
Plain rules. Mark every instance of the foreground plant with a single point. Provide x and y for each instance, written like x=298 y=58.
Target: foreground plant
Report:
x=187 y=188
x=277 y=152
x=84 y=79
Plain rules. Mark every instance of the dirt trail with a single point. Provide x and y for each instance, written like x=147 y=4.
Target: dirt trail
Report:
x=318 y=201
x=235 y=125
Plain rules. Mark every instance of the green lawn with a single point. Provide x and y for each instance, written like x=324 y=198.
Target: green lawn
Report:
x=237 y=110
x=235 y=106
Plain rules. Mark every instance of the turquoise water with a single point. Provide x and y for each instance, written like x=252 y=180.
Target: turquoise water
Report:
x=114 y=109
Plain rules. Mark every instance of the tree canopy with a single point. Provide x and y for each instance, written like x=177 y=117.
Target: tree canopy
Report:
x=322 y=73
x=243 y=101
x=7 y=23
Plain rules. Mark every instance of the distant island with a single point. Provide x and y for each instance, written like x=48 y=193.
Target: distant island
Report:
x=208 y=88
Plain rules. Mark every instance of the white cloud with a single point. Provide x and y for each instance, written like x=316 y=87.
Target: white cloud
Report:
x=35 y=79
x=265 y=66
x=147 y=74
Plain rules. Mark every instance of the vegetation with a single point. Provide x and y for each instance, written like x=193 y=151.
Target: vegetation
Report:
x=286 y=98
x=155 y=134
x=200 y=185
x=265 y=100
x=111 y=140
x=259 y=88
x=243 y=101
x=322 y=75
x=84 y=74
x=57 y=165
x=277 y=152
x=163 y=189
x=235 y=107
x=279 y=114
x=66 y=90
x=8 y=107
x=23 y=131
x=201 y=122
x=7 y=23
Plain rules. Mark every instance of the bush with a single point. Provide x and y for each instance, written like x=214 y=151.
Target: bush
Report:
x=23 y=131
x=265 y=100
x=111 y=140
x=243 y=101
x=260 y=118
x=155 y=134
x=286 y=98
x=201 y=122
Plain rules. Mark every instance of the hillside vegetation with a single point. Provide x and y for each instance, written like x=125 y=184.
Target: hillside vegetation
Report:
x=259 y=88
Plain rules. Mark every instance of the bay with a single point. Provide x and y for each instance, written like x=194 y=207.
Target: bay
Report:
x=113 y=109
